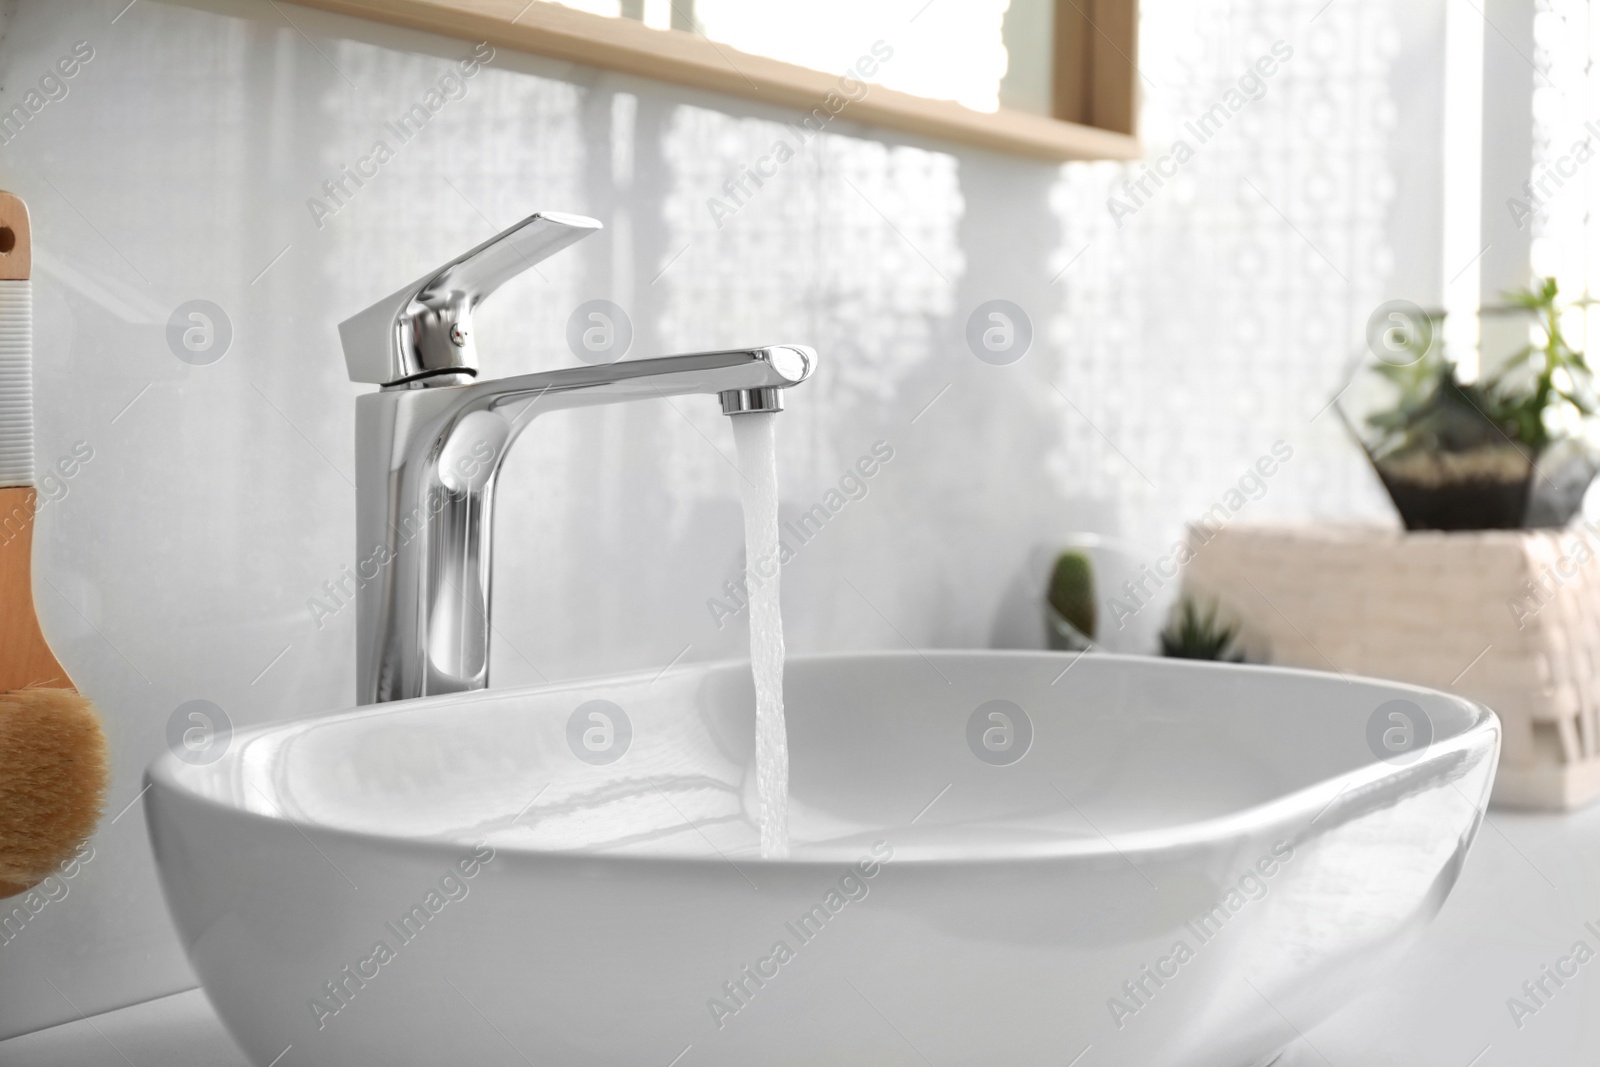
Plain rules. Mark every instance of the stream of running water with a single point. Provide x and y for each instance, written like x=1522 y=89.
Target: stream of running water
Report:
x=755 y=434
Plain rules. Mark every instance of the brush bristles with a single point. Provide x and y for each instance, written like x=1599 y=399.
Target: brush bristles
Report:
x=53 y=772
x=16 y=383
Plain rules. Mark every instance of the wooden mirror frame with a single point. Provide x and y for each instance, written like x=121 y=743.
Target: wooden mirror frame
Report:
x=1095 y=75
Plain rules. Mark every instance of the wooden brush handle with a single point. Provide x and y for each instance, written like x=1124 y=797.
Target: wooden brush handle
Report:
x=16 y=239
x=53 y=761
x=25 y=658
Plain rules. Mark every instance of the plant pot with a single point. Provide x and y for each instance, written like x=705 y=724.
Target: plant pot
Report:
x=1061 y=635
x=1489 y=488
x=1447 y=466
x=1132 y=601
x=1555 y=494
x=1480 y=489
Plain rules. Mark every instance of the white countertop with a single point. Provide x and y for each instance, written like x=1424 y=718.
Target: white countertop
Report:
x=1530 y=885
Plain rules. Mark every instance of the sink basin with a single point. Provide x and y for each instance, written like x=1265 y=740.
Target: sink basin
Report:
x=1007 y=858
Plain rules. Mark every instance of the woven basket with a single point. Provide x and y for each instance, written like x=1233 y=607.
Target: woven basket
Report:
x=1510 y=618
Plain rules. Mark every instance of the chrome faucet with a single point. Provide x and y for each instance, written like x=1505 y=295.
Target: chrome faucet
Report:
x=430 y=442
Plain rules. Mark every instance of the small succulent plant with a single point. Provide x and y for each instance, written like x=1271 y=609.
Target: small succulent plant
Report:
x=1196 y=634
x=1071 y=592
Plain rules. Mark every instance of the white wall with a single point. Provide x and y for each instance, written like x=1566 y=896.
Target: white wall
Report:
x=1170 y=352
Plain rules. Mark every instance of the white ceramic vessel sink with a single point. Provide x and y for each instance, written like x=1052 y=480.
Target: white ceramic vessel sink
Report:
x=1187 y=864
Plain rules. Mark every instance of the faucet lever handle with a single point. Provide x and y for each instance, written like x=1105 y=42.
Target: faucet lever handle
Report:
x=425 y=329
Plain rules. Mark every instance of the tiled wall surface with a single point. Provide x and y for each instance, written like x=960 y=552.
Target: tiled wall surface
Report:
x=1172 y=346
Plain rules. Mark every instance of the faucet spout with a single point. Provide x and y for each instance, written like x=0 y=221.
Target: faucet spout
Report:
x=737 y=371
x=429 y=454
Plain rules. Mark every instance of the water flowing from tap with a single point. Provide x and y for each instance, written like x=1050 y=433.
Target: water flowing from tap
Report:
x=756 y=437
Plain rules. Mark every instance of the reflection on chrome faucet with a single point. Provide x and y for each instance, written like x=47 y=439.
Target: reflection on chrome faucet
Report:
x=430 y=443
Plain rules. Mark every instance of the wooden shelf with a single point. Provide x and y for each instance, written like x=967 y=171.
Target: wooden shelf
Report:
x=557 y=32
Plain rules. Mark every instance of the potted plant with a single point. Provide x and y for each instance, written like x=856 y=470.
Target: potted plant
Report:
x=1506 y=450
